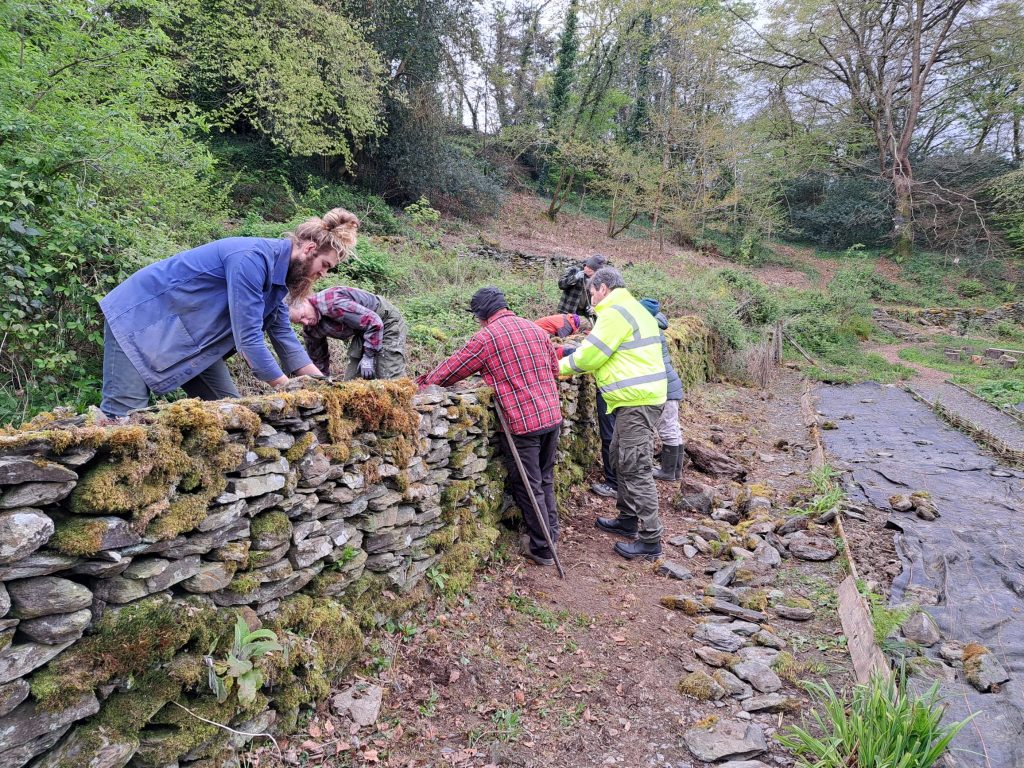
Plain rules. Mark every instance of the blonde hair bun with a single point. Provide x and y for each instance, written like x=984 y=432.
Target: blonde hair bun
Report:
x=337 y=230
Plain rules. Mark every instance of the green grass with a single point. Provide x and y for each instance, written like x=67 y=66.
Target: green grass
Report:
x=989 y=380
x=878 y=724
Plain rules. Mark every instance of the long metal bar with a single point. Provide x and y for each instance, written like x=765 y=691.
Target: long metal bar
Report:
x=529 y=488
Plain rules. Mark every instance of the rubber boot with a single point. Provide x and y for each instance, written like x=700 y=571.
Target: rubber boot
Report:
x=670 y=463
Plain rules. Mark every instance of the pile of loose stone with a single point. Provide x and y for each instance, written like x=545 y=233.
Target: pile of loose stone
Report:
x=294 y=518
x=740 y=655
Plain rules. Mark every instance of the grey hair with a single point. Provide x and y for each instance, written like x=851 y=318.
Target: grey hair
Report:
x=609 y=276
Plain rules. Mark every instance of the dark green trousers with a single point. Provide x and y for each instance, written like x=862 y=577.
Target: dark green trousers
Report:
x=632 y=455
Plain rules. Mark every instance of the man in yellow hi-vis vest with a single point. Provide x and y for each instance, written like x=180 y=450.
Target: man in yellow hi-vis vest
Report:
x=624 y=354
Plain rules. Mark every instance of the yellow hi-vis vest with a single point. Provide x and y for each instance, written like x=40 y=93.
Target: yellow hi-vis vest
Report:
x=623 y=352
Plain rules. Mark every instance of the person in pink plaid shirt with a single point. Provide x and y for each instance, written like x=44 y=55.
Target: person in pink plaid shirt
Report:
x=516 y=358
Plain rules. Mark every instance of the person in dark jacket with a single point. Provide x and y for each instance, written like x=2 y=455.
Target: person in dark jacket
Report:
x=172 y=323
x=517 y=360
x=373 y=327
x=573 y=284
x=672 y=448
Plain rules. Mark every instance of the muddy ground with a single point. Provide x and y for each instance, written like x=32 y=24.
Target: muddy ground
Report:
x=527 y=670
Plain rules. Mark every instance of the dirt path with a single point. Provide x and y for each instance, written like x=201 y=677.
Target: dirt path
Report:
x=526 y=670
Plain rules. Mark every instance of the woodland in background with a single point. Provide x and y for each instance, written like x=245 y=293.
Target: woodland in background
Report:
x=132 y=129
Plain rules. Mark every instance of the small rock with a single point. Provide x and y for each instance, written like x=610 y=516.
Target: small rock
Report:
x=22 y=532
x=53 y=630
x=725 y=738
x=689 y=551
x=674 y=570
x=361 y=703
x=678 y=540
x=984 y=672
x=724 y=593
x=732 y=684
x=772 y=702
x=46 y=595
x=29 y=721
x=713 y=657
x=731 y=609
x=210 y=578
x=18 y=660
x=758 y=653
x=724 y=576
x=93 y=748
x=5 y=600
x=816 y=548
x=15 y=470
x=900 y=502
x=920 y=628
x=758 y=675
x=952 y=651
x=768 y=640
x=730 y=516
x=12 y=694
x=718 y=636
x=793 y=613
x=767 y=554
x=36 y=494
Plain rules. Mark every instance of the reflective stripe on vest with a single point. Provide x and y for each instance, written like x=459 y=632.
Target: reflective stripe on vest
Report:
x=645 y=379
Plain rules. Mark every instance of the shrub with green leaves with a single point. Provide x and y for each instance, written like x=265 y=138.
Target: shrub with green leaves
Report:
x=880 y=724
x=99 y=176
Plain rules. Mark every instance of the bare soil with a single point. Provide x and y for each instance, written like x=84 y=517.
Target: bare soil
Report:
x=528 y=670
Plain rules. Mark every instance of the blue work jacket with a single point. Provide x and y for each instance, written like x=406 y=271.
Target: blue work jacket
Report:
x=177 y=317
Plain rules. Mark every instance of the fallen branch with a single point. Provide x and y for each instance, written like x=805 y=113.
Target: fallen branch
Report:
x=799 y=348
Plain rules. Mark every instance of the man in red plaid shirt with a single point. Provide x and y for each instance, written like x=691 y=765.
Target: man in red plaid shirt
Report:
x=516 y=359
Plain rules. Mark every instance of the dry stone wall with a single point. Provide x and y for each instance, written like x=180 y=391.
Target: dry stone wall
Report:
x=128 y=555
x=954 y=316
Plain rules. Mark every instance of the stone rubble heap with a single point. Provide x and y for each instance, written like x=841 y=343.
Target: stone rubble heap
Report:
x=267 y=502
x=741 y=657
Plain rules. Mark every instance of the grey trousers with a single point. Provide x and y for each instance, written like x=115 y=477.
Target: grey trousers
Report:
x=632 y=459
x=391 y=358
x=125 y=391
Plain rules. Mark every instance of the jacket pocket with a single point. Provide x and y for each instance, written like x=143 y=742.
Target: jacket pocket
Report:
x=164 y=343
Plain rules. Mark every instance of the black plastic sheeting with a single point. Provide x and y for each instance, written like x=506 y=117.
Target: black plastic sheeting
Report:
x=972 y=555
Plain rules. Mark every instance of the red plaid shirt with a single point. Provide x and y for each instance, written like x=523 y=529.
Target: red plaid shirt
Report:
x=516 y=358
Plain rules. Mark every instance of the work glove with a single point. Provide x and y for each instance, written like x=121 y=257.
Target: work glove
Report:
x=580 y=275
x=368 y=368
x=568 y=350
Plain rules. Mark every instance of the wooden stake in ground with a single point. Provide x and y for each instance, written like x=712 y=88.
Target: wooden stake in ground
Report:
x=542 y=519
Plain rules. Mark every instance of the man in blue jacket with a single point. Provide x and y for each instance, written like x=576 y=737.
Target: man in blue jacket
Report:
x=172 y=323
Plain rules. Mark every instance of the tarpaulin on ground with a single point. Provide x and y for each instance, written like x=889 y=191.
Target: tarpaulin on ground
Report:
x=972 y=556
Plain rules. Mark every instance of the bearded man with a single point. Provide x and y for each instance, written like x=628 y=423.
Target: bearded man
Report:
x=172 y=323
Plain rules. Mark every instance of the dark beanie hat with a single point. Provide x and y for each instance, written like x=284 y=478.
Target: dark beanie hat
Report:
x=596 y=261
x=486 y=302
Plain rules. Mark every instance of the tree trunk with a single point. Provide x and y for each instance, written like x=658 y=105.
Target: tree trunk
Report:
x=903 y=221
x=1016 y=139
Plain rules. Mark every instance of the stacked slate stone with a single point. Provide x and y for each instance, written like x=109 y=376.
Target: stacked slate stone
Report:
x=257 y=507
x=954 y=316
